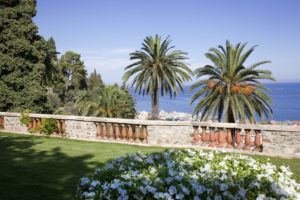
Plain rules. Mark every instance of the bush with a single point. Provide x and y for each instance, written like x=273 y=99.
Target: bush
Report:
x=48 y=126
x=189 y=174
x=25 y=119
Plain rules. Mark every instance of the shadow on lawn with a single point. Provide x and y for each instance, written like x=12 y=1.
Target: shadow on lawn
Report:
x=30 y=174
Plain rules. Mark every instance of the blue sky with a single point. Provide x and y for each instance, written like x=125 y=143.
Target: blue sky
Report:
x=105 y=32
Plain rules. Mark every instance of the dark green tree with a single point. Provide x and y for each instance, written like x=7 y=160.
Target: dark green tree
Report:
x=230 y=90
x=22 y=56
x=73 y=71
x=158 y=67
x=52 y=70
x=95 y=85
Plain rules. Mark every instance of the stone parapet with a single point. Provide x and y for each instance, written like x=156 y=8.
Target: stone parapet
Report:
x=277 y=140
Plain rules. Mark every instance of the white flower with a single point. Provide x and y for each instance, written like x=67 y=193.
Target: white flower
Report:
x=88 y=194
x=172 y=190
x=122 y=191
x=223 y=186
x=84 y=180
x=261 y=197
x=179 y=196
x=95 y=183
x=138 y=159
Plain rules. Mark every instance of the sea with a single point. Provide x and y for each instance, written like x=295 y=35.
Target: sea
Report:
x=285 y=96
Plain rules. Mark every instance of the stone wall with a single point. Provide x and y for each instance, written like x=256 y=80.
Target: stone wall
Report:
x=285 y=143
x=169 y=135
x=80 y=129
x=277 y=140
x=12 y=124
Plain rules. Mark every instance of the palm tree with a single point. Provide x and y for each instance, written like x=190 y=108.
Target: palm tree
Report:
x=113 y=102
x=157 y=68
x=52 y=69
x=232 y=91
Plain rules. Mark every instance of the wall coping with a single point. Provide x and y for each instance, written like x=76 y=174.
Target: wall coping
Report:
x=286 y=128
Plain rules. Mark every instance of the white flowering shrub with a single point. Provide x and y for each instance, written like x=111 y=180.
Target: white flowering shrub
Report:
x=189 y=174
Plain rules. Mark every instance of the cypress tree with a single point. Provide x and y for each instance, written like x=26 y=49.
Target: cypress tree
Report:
x=22 y=56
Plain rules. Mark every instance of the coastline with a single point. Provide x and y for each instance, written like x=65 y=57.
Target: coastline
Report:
x=185 y=116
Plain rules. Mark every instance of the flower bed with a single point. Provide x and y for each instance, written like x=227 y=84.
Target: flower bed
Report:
x=189 y=174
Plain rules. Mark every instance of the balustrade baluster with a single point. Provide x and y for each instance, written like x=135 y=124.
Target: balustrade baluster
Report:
x=98 y=130
x=204 y=136
x=217 y=137
x=104 y=131
x=221 y=138
x=38 y=124
x=58 y=126
x=257 y=140
x=196 y=135
x=34 y=125
x=124 y=134
x=247 y=140
x=63 y=127
x=130 y=133
x=117 y=130
x=229 y=138
x=212 y=138
x=111 y=131
x=145 y=135
x=2 y=122
x=238 y=139
x=137 y=134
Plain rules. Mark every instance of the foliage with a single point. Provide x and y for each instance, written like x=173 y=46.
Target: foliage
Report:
x=95 y=85
x=189 y=174
x=22 y=53
x=48 y=126
x=231 y=91
x=158 y=67
x=53 y=101
x=113 y=102
x=82 y=99
x=73 y=70
x=25 y=119
x=52 y=69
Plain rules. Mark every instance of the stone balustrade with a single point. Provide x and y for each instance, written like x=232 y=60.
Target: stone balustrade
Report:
x=276 y=140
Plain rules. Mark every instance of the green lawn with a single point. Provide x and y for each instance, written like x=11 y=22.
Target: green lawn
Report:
x=35 y=167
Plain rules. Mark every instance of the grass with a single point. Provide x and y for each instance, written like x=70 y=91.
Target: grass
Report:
x=35 y=167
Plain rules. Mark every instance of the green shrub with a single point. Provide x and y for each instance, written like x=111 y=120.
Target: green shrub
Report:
x=48 y=126
x=25 y=119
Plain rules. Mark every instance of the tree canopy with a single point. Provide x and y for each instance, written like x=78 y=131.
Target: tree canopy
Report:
x=157 y=67
x=229 y=88
x=22 y=53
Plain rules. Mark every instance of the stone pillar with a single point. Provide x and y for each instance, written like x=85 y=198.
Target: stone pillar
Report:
x=111 y=132
x=58 y=126
x=98 y=130
x=229 y=138
x=247 y=140
x=238 y=139
x=196 y=135
x=203 y=136
x=63 y=126
x=104 y=132
x=117 y=130
x=212 y=137
x=257 y=140
x=38 y=123
x=130 y=133
x=145 y=135
x=124 y=134
x=137 y=134
x=34 y=125
x=221 y=138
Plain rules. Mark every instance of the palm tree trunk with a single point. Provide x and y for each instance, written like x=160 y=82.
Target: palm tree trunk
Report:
x=155 y=104
x=231 y=120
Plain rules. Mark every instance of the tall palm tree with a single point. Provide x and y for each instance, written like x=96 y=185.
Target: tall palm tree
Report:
x=157 y=67
x=52 y=69
x=229 y=89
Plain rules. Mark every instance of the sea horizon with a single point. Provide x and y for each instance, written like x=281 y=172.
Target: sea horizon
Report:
x=285 y=96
